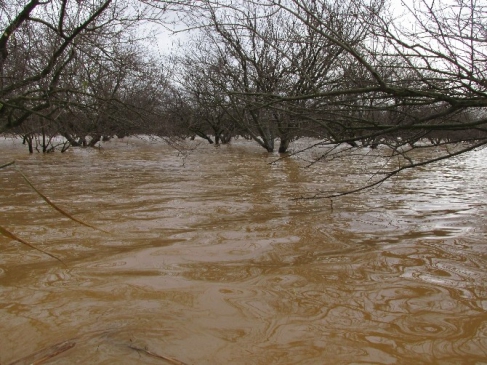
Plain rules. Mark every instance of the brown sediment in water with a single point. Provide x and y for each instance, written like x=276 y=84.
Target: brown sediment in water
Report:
x=213 y=260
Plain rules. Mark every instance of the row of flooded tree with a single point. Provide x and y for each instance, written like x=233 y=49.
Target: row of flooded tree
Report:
x=353 y=71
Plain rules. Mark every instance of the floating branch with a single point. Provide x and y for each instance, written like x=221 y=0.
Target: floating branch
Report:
x=153 y=354
x=46 y=354
x=63 y=212
x=7 y=164
x=10 y=235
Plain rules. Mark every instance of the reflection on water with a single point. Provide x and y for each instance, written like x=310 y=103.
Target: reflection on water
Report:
x=211 y=260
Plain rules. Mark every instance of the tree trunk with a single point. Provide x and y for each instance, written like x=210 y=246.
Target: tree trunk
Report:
x=70 y=139
x=204 y=136
x=94 y=140
x=28 y=139
x=284 y=145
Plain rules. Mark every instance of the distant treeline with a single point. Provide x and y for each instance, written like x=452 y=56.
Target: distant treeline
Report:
x=343 y=71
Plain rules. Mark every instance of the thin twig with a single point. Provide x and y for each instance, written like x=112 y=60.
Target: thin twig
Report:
x=7 y=164
x=10 y=235
x=150 y=353
x=46 y=354
x=63 y=212
x=395 y=172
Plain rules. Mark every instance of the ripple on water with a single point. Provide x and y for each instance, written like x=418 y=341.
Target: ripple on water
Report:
x=212 y=254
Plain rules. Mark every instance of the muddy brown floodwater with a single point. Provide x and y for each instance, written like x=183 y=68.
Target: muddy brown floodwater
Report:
x=210 y=260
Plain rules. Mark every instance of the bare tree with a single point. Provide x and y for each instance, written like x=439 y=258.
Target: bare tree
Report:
x=362 y=73
x=58 y=57
x=419 y=76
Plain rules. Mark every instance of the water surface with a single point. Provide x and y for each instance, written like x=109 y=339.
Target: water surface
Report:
x=211 y=259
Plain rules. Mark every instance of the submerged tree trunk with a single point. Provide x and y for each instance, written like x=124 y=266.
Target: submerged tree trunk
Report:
x=284 y=145
x=226 y=137
x=204 y=136
x=28 y=138
x=70 y=139
x=94 y=140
